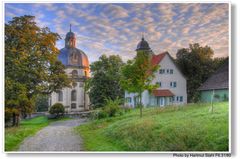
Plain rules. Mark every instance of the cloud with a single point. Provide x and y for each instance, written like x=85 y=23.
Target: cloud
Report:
x=117 y=28
x=115 y=11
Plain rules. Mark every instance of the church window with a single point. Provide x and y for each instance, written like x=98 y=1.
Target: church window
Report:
x=171 y=71
x=60 y=96
x=73 y=106
x=74 y=95
x=74 y=73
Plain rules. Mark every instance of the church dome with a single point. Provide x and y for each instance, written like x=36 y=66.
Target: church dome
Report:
x=72 y=56
x=143 y=45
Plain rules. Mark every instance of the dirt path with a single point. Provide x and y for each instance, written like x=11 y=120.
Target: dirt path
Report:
x=58 y=136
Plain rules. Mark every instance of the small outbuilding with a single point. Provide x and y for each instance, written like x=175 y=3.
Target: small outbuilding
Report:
x=216 y=87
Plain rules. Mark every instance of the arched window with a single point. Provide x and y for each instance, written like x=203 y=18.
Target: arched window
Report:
x=60 y=96
x=74 y=95
x=74 y=73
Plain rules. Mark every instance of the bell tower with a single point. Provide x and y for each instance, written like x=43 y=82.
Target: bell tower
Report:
x=70 y=40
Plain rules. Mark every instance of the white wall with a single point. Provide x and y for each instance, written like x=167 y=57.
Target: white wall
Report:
x=67 y=93
x=177 y=76
x=165 y=79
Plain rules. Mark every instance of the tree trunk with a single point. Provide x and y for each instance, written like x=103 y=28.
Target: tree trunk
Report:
x=17 y=119
x=14 y=119
x=140 y=96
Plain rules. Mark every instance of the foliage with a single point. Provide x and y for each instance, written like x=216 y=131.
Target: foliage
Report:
x=41 y=103
x=197 y=64
x=105 y=81
x=172 y=128
x=112 y=108
x=31 y=65
x=138 y=74
x=28 y=127
x=57 y=109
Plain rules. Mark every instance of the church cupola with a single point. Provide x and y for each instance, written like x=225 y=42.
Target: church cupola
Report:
x=70 y=40
x=143 y=45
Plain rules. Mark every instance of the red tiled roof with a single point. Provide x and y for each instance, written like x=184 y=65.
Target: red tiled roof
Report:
x=163 y=93
x=158 y=58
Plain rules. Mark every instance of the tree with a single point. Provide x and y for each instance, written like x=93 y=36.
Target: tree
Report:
x=105 y=81
x=41 y=103
x=31 y=65
x=138 y=74
x=57 y=109
x=197 y=64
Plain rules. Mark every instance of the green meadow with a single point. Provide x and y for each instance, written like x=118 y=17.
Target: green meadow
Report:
x=192 y=127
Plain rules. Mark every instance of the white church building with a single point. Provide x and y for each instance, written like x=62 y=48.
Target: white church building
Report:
x=171 y=82
x=77 y=68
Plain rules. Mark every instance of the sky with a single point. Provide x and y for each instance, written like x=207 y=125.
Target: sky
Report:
x=117 y=28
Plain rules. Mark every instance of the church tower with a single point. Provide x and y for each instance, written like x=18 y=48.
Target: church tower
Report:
x=76 y=64
x=144 y=46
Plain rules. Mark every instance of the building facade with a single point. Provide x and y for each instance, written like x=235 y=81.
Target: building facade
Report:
x=171 y=82
x=216 y=87
x=76 y=63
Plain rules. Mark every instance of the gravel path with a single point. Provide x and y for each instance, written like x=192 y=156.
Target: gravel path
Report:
x=58 y=136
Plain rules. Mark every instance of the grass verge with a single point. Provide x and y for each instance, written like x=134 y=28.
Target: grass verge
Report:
x=173 y=128
x=15 y=135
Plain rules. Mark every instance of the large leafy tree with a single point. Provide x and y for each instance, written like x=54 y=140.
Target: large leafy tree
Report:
x=197 y=64
x=105 y=80
x=31 y=65
x=138 y=74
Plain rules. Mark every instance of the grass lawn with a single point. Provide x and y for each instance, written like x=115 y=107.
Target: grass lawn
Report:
x=15 y=135
x=184 y=128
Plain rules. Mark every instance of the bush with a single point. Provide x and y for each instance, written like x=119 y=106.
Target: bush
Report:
x=112 y=108
x=57 y=110
x=98 y=114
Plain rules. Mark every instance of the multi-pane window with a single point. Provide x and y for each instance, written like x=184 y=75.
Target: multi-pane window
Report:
x=167 y=71
x=60 y=96
x=173 y=84
x=128 y=99
x=74 y=73
x=161 y=71
x=73 y=106
x=74 y=95
x=181 y=98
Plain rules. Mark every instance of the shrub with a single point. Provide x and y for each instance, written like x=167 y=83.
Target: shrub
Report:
x=57 y=110
x=98 y=114
x=112 y=107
